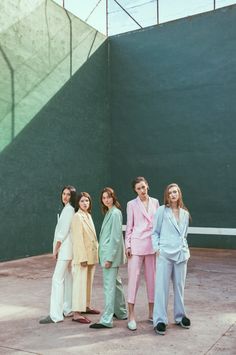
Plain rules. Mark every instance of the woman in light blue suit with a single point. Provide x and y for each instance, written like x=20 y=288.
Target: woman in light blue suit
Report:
x=169 y=239
x=111 y=256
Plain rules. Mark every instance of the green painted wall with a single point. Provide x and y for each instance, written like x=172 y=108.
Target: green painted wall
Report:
x=66 y=142
x=163 y=108
x=173 y=113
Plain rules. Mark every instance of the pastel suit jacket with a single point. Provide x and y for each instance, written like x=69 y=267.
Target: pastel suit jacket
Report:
x=84 y=239
x=170 y=237
x=111 y=243
x=139 y=226
x=63 y=233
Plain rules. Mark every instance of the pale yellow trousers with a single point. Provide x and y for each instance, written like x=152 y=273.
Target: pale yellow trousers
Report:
x=82 y=287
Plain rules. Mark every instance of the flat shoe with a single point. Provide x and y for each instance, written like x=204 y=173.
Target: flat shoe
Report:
x=98 y=326
x=46 y=320
x=132 y=325
x=82 y=320
x=91 y=311
x=150 y=320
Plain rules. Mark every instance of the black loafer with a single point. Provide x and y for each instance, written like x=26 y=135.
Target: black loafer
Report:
x=98 y=326
x=160 y=328
x=185 y=323
x=46 y=320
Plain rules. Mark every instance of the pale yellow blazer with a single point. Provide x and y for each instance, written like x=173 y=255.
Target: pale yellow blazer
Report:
x=84 y=239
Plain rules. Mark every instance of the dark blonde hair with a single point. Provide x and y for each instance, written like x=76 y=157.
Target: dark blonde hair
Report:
x=83 y=194
x=111 y=193
x=180 y=202
x=137 y=180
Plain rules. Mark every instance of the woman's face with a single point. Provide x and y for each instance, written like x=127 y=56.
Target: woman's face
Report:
x=173 y=194
x=84 y=203
x=107 y=200
x=66 y=196
x=141 y=188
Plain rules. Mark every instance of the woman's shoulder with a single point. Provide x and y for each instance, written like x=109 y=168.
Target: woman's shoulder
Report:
x=184 y=211
x=116 y=211
x=78 y=216
x=132 y=202
x=161 y=208
x=155 y=200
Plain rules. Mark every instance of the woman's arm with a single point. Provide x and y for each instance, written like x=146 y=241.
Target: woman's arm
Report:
x=64 y=224
x=157 y=223
x=115 y=235
x=129 y=228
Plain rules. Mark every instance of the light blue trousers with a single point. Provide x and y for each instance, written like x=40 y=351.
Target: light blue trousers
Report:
x=114 y=299
x=168 y=270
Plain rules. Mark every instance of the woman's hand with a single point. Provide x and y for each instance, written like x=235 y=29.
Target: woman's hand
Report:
x=56 y=251
x=108 y=264
x=128 y=252
x=84 y=263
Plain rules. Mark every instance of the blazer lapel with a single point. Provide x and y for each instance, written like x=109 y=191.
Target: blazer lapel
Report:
x=172 y=219
x=106 y=219
x=88 y=221
x=142 y=207
x=182 y=219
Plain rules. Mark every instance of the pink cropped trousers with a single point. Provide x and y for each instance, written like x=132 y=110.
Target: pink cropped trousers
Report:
x=135 y=263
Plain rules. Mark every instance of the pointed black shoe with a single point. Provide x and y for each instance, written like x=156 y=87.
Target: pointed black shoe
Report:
x=98 y=326
x=160 y=328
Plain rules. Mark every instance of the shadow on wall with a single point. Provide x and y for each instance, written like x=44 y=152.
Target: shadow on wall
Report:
x=37 y=58
x=67 y=142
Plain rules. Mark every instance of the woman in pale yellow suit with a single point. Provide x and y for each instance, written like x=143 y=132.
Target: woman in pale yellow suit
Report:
x=85 y=256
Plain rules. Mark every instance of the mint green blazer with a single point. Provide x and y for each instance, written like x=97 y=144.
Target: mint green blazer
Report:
x=111 y=243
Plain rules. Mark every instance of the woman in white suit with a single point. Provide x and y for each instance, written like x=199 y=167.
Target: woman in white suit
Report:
x=61 y=293
x=169 y=239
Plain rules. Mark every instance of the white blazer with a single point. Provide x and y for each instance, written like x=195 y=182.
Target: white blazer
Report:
x=170 y=237
x=63 y=233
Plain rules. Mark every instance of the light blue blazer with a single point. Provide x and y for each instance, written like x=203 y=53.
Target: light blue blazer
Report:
x=170 y=237
x=111 y=243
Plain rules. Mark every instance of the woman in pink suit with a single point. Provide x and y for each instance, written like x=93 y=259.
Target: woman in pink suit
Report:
x=138 y=242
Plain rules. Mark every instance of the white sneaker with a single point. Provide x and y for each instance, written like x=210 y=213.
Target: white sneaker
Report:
x=132 y=325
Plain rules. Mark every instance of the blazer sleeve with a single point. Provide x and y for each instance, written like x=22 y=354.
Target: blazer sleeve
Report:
x=157 y=223
x=186 y=224
x=79 y=249
x=115 y=236
x=64 y=224
x=129 y=225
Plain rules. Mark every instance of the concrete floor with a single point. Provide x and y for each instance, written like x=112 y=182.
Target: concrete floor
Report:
x=210 y=299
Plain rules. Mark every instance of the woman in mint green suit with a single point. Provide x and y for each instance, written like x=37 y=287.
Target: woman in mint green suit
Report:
x=111 y=256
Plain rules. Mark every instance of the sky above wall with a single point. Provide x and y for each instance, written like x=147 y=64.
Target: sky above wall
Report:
x=144 y=12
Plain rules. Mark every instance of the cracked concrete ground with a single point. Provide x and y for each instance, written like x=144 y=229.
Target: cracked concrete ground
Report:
x=210 y=298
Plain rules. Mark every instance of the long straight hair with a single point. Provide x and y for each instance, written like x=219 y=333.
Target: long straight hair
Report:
x=111 y=193
x=72 y=190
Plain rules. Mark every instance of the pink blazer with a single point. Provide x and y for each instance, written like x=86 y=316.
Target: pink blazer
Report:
x=139 y=226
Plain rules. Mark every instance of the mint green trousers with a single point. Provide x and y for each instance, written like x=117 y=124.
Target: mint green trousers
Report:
x=114 y=299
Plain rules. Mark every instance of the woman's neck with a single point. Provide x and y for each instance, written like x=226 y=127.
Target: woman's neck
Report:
x=144 y=199
x=174 y=206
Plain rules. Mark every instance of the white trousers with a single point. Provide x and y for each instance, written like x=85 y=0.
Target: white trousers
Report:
x=61 y=294
x=168 y=270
